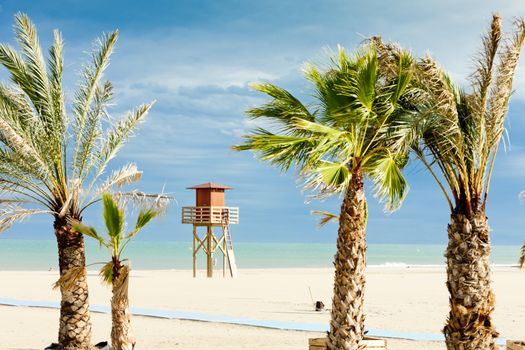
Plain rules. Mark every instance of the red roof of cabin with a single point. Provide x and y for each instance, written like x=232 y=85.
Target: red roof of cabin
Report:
x=210 y=185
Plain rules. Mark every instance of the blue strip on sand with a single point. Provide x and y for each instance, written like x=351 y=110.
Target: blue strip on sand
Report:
x=196 y=316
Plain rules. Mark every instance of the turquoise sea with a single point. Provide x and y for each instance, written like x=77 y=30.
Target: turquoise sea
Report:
x=41 y=255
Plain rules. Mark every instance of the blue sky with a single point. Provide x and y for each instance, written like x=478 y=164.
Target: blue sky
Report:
x=197 y=58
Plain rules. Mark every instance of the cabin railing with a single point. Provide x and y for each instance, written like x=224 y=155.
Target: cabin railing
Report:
x=210 y=215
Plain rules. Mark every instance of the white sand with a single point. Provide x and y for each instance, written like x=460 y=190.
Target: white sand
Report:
x=397 y=299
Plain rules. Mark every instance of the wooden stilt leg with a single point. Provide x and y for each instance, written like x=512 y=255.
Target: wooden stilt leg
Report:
x=210 y=252
x=194 y=252
x=224 y=258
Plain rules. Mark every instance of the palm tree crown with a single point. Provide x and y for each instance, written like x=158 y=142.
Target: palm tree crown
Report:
x=117 y=238
x=461 y=131
x=47 y=152
x=344 y=132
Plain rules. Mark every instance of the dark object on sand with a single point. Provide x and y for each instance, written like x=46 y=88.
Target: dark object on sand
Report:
x=54 y=346
x=319 y=306
x=103 y=345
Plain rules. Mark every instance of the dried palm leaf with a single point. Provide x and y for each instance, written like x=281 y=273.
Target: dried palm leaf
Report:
x=326 y=217
x=67 y=280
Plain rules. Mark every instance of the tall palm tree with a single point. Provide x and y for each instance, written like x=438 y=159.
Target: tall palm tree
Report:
x=336 y=142
x=116 y=271
x=52 y=158
x=460 y=137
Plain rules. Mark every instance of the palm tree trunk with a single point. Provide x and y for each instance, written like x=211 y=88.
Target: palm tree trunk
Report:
x=75 y=324
x=521 y=262
x=469 y=324
x=121 y=336
x=347 y=318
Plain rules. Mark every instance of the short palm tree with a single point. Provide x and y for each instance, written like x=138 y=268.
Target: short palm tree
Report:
x=457 y=136
x=52 y=158
x=521 y=261
x=116 y=271
x=335 y=143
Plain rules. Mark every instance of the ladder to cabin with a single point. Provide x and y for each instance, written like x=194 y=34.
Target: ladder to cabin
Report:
x=229 y=251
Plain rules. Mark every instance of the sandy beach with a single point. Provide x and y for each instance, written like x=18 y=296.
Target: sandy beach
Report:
x=398 y=299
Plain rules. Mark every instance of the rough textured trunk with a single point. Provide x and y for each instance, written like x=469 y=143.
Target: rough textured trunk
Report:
x=75 y=325
x=469 y=324
x=347 y=318
x=121 y=336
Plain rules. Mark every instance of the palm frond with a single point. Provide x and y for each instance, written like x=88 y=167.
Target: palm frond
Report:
x=32 y=159
x=481 y=80
x=282 y=151
x=92 y=128
x=142 y=220
x=326 y=217
x=126 y=175
x=12 y=213
x=89 y=231
x=157 y=203
x=356 y=103
x=113 y=217
x=27 y=37
x=328 y=178
x=281 y=109
x=69 y=279
x=390 y=185
x=106 y=272
x=91 y=76
x=16 y=107
x=115 y=138
x=502 y=87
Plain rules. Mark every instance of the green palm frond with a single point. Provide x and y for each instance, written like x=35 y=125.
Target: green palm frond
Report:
x=329 y=176
x=90 y=232
x=142 y=220
x=113 y=217
x=282 y=150
x=349 y=122
x=390 y=185
x=283 y=107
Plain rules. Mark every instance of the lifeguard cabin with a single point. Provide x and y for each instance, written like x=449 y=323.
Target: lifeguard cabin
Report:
x=209 y=212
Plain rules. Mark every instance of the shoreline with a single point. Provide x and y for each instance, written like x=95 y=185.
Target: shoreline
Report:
x=218 y=271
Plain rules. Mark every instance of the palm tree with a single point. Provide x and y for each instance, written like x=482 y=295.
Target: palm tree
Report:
x=521 y=261
x=116 y=271
x=52 y=159
x=335 y=143
x=460 y=136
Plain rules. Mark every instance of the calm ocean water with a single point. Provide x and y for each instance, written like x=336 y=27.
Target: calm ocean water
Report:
x=41 y=255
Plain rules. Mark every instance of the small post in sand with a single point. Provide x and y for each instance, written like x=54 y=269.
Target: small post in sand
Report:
x=210 y=212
